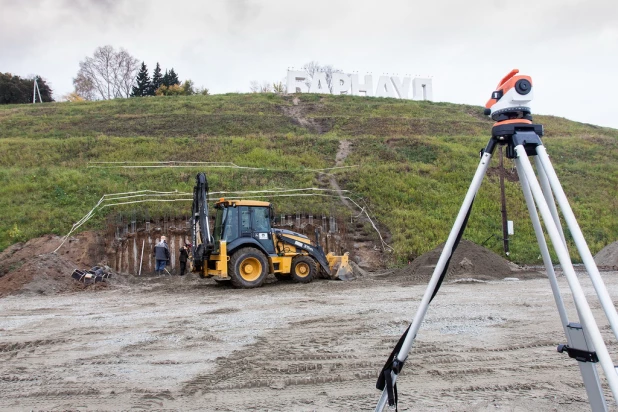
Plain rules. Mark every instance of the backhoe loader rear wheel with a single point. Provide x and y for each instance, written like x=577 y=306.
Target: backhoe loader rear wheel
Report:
x=303 y=269
x=248 y=268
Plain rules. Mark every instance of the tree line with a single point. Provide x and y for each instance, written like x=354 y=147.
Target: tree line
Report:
x=110 y=74
x=167 y=84
x=16 y=90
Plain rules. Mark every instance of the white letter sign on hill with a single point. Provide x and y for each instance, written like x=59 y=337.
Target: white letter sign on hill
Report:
x=358 y=88
x=343 y=83
x=296 y=82
x=319 y=84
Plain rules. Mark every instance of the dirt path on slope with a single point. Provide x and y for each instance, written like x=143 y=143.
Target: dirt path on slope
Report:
x=298 y=113
x=367 y=253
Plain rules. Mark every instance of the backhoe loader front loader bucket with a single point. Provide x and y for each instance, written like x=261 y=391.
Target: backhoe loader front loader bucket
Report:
x=340 y=267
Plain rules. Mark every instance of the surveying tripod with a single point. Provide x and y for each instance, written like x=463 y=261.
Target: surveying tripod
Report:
x=509 y=107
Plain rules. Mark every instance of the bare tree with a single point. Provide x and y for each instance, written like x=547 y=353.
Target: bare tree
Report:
x=84 y=87
x=314 y=67
x=126 y=68
x=310 y=68
x=254 y=86
x=106 y=75
x=266 y=87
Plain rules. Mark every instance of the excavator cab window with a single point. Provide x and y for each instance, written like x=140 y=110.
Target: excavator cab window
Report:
x=226 y=225
x=230 y=225
x=218 y=228
x=261 y=219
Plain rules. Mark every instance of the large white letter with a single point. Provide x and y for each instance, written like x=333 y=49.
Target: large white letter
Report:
x=358 y=88
x=385 y=87
x=318 y=84
x=340 y=83
x=402 y=88
x=422 y=89
x=296 y=82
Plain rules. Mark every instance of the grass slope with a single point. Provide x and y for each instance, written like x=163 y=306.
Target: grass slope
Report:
x=416 y=160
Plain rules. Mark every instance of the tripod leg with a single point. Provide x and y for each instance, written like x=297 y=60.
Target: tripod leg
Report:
x=565 y=261
x=588 y=370
x=580 y=242
x=549 y=197
x=540 y=238
x=441 y=266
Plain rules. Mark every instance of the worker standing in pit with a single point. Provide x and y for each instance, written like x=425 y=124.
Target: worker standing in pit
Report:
x=162 y=255
x=184 y=256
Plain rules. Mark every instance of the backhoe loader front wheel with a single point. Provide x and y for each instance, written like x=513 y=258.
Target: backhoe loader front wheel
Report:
x=303 y=269
x=248 y=268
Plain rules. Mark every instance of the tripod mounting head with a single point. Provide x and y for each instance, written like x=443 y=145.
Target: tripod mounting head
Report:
x=511 y=99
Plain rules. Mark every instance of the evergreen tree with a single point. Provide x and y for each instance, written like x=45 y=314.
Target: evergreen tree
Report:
x=157 y=80
x=142 y=88
x=166 y=79
x=173 y=78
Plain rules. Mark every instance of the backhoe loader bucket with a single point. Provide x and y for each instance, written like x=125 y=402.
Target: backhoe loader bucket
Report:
x=340 y=267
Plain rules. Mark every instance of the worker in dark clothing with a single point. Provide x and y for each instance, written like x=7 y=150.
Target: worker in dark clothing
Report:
x=162 y=255
x=184 y=256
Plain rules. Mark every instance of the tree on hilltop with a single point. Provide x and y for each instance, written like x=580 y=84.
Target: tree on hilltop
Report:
x=314 y=67
x=165 y=81
x=157 y=80
x=173 y=78
x=108 y=74
x=14 y=89
x=142 y=86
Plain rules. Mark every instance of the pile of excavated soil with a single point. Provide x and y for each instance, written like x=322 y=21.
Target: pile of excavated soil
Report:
x=608 y=256
x=470 y=261
x=32 y=267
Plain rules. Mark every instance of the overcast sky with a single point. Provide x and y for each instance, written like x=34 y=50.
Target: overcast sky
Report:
x=569 y=47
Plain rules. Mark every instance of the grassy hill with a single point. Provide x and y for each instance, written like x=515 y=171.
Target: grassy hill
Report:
x=415 y=162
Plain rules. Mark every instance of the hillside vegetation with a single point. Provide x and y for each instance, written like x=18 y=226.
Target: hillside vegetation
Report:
x=414 y=162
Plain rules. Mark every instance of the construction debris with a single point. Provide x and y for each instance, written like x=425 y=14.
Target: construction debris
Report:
x=94 y=275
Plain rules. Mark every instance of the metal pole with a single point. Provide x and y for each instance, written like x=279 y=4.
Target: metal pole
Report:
x=505 y=231
x=579 y=297
x=141 y=258
x=38 y=90
x=34 y=91
x=444 y=257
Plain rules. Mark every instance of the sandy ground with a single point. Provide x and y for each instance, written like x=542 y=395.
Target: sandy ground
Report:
x=189 y=344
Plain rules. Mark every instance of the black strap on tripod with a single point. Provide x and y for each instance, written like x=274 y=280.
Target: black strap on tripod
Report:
x=393 y=364
x=448 y=262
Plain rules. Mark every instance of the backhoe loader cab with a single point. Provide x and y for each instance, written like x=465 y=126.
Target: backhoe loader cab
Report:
x=244 y=248
x=240 y=222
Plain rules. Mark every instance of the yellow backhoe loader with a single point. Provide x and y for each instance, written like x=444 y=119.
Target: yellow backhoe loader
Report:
x=243 y=248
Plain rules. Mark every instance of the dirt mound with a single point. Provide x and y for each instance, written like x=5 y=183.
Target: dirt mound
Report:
x=31 y=267
x=608 y=256
x=469 y=261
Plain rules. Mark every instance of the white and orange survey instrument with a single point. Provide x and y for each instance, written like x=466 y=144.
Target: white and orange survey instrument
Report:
x=511 y=99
